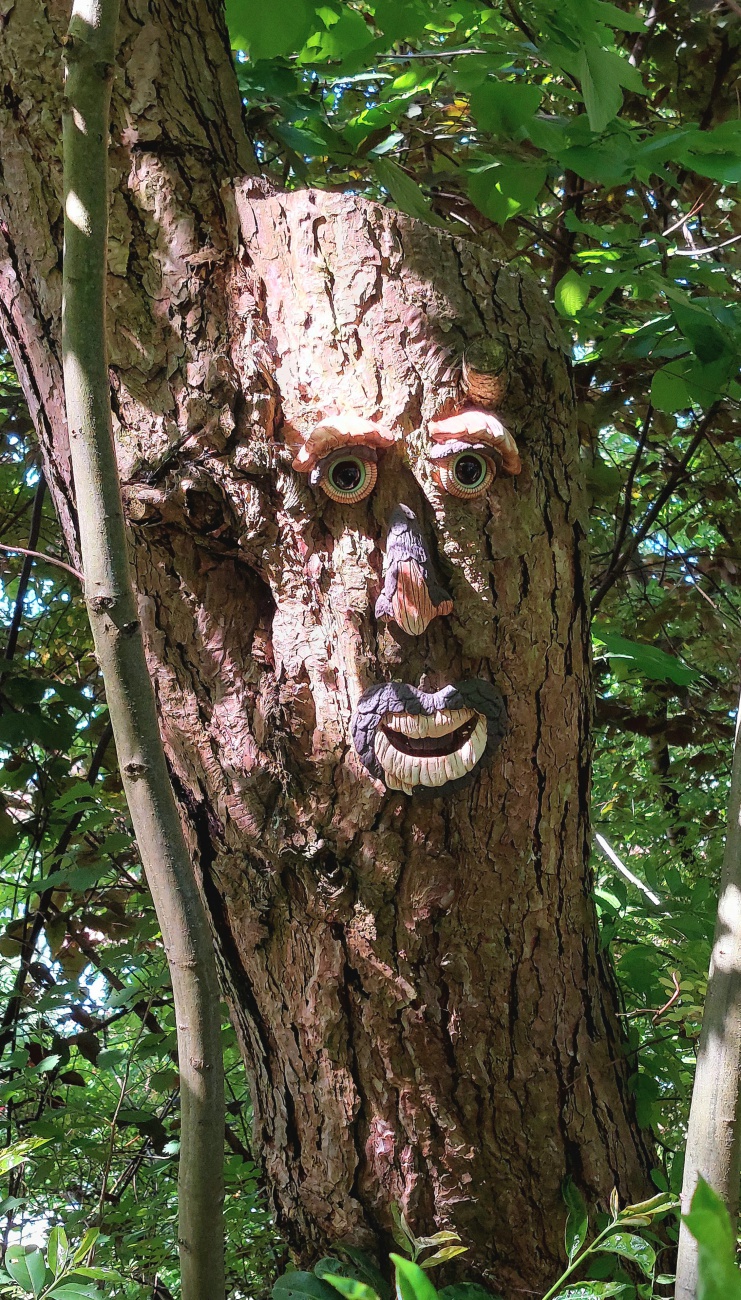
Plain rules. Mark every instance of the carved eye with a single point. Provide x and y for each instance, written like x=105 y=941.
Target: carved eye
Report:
x=469 y=474
x=348 y=477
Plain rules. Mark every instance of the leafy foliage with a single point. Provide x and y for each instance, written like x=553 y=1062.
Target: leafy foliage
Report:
x=357 y=1277
x=88 y=1077
x=63 y=1274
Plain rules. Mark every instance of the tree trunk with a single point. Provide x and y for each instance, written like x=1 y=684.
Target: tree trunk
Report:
x=416 y=981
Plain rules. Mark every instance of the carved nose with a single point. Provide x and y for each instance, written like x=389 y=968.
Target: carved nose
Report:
x=412 y=593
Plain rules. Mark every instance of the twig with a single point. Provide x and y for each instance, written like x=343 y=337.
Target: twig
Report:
x=33 y=537
x=610 y=853
x=614 y=572
x=39 y=555
x=429 y=54
x=112 y=1144
x=700 y=252
x=625 y=517
x=667 y=1005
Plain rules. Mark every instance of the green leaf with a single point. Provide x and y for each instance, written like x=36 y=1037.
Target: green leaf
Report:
x=74 y=1291
x=401 y=19
x=366 y=1270
x=412 y=1283
x=632 y=1247
x=301 y=1286
x=706 y=383
x=351 y=1288
x=715 y=153
x=12 y=1156
x=16 y=1265
x=710 y=1225
x=268 y=30
x=438 y=1239
x=577 y=1219
x=571 y=294
x=36 y=1270
x=100 y=1274
x=86 y=1245
x=401 y=1232
x=405 y=192
x=603 y=97
x=57 y=1250
x=502 y=190
x=614 y=17
x=648 y=660
x=442 y=1256
x=504 y=107
x=669 y=390
x=338 y=35
x=708 y=330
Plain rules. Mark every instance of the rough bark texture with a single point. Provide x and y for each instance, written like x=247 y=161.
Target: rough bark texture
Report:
x=417 y=985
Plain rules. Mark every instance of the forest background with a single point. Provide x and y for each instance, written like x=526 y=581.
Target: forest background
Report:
x=602 y=146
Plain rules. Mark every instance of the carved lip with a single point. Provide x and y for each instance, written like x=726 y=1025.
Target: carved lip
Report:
x=420 y=742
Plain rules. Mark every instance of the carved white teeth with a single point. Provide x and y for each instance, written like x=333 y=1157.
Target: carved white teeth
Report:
x=420 y=725
x=404 y=772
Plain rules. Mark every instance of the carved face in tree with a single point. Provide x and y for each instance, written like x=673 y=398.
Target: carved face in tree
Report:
x=410 y=737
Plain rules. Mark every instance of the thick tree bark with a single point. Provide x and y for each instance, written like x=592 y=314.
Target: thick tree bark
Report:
x=418 y=987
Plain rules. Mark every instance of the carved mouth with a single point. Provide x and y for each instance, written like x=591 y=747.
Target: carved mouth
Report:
x=414 y=749
x=420 y=742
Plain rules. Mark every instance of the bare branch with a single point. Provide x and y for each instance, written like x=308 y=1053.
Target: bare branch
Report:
x=39 y=555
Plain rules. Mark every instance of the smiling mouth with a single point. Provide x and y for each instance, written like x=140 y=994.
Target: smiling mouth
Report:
x=428 y=743
x=419 y=749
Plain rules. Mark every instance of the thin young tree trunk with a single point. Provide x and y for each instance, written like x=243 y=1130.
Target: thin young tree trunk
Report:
x=114 y=619
x=713 y=1146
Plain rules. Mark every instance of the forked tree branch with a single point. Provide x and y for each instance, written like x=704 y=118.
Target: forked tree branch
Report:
x=112 y=608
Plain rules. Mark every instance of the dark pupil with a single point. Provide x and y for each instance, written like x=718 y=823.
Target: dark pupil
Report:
x=469 y=470
x=346 y=475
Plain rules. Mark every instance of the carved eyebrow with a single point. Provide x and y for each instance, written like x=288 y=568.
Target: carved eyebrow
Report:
x=335 y=432
x=473 y=430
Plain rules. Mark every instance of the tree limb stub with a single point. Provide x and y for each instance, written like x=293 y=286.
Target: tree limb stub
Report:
x=114 y=618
